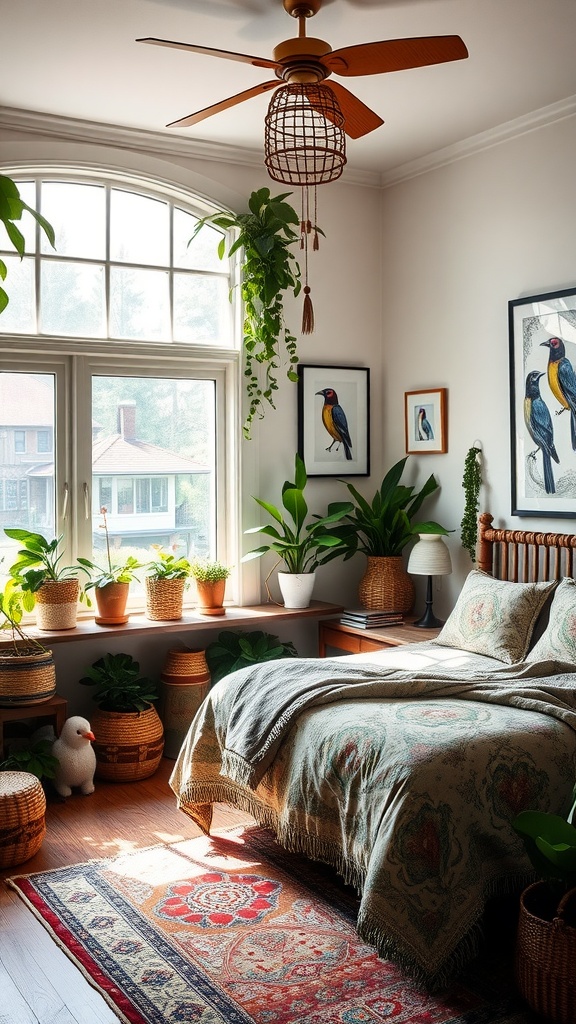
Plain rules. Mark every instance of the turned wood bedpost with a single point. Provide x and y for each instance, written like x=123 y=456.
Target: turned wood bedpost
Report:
x=485 y=544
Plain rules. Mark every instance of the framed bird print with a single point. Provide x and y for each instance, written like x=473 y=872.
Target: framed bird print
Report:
x=542 y=336
x=334 y=420
x=425 y=418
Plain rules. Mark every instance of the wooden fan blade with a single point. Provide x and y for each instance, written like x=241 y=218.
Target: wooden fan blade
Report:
x=359 y=120
x=394 y=55
x=245 y=58
x=217 y=108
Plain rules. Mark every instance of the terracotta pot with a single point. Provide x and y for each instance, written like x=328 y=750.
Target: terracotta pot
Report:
x=57 y=604
x=386 y=585
x=211 y=597
x=296 y=588
x=128 y=744
x=111 y=602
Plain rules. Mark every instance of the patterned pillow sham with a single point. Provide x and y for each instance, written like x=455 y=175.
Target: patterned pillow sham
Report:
x=558 y=642
x=494 y=617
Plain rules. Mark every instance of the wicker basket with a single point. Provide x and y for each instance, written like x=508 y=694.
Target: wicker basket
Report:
x=186 y=682
x=545 y=963
x=164 y=598
x=386 y=585
x=128 y=744
x=57 y=604
x=22 y=817
x=28 y=678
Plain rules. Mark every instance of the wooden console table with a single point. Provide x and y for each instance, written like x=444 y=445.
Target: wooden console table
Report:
x=352 y=640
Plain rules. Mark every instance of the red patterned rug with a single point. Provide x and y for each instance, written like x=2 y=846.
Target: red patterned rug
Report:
x=233 y=929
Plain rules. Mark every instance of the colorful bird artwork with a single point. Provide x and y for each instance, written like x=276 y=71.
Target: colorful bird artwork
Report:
x=425 y=432
x=334 y=419
x=562 y=381
x=539 y=424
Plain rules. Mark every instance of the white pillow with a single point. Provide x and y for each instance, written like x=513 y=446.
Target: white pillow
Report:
x=558 y=641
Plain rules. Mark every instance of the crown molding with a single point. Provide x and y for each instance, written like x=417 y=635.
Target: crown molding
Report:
x=144 y=141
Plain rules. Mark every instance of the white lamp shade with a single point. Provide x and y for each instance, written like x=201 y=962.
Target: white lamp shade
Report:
x=430 y=556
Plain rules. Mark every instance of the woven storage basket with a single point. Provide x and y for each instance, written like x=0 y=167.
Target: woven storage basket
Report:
x=22 y=817
x=386 y=585
x=545 y=963
x=185 y=683
x=128 y=744
x=57 y=604
x=164 y=599
x=27 y=679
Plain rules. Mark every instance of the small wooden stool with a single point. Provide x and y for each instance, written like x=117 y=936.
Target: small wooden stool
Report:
x=22 y=817
x=55 y=709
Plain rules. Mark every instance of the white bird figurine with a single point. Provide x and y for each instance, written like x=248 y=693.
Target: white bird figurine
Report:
x=76 y=758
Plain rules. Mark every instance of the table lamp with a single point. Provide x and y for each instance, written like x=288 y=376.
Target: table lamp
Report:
x=429 y=557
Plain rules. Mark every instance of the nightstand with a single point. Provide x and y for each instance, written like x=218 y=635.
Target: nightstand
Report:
x=352 y=640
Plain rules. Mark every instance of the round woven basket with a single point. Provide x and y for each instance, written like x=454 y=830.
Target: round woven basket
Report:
x=185 y=683
x=386 y=585
x=128 y=744
x=164 y=599
x=22 y=817
x=57 y=604
x=546 y=954
x=29 y=678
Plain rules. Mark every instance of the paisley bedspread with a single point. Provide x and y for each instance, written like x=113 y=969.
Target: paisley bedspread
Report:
x=409 y=796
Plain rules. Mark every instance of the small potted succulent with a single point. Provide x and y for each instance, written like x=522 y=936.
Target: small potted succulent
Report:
x=46 y=584
x=210 y=577
x=111 y=584
x=167 y=576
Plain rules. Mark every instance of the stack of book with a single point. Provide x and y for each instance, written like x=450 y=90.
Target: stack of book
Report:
x=364 y=618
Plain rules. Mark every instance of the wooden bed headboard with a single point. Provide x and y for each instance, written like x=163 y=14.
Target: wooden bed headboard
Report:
x=522 y=556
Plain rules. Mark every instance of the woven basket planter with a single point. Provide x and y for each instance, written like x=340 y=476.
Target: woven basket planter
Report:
x=386 y=585
x=57 y=604
x=545 y=962
x=164 y=599
x=185 y=683
x=22 y=817
x=27 y=678
x=128 y=744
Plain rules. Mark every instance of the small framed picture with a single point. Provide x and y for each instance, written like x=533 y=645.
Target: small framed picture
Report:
x=425 y=419
x=334 y=420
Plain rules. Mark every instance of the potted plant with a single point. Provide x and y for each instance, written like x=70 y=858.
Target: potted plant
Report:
x=11 y=209
x=381 y=529
x=546 y=937
x=234 y=649
x=130 y=736
x=45 y=583
x=302 y=544
x=27 y=672
x=210 y=579
x=166 y=579
x=110 y=585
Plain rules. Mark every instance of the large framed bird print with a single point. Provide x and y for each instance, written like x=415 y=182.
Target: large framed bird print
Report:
x=425 y=421
x=334 y=420
x=542 y=335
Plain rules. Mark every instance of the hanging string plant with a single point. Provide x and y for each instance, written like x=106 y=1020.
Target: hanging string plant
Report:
x=269 y=269
x=471 y=482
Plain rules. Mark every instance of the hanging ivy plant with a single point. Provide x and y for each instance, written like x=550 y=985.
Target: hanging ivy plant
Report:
x=471 y=482
x=269 y=268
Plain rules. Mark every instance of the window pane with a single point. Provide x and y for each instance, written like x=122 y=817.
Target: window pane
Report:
x=154 y=454
x=139 y=304
x=72 y=299
x=202 y=253
x=202 y=311
x=27 y=224
x=19 y=317
x=26 y=479
x=78 y=215
x=139 y=229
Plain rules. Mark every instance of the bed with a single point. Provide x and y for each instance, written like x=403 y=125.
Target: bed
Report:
x=403 y=769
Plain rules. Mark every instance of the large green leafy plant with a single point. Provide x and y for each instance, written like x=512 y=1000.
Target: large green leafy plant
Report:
x=38 y=561
x=234 y=650
x=11 y=209
x=120 y=685
x=550 y=843
x=269 y=268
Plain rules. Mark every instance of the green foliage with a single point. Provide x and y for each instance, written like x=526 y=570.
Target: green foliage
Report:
x=302 y=545
x=123 y=573
x=208 y=572
x=384 y=526
x=269 y=268
x=11 y=209
x=37 y=562
x=120 y=685
x=37 y=758
x=550 y=843
x=167 y=567
x=471 y=482
x=233 y=650
x=11 y=614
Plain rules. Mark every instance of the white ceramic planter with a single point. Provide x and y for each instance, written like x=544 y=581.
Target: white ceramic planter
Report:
x=296 y=588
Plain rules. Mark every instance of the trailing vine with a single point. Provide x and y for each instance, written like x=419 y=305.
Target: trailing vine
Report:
x=269 y=268
x=471 y=482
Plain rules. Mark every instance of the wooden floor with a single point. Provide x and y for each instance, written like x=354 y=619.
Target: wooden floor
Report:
x=38 y=983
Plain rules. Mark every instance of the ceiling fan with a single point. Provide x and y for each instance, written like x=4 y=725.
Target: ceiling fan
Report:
x=305 y=61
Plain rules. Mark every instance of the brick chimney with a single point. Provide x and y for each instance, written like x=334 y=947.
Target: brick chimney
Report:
x=127 y=420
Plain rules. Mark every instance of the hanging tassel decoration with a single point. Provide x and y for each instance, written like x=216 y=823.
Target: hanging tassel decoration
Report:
x=305 y=230
x=307 y=313
x=316 y=243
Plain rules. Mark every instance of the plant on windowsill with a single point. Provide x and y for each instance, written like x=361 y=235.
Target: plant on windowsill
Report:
x=210 y=579
x=165 y=582
x=129 y=734
x=27 y=672
x=11 y=209
x=110 y=585
x=52 y=588
x=302 y=545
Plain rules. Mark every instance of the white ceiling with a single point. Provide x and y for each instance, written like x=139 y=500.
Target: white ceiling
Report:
x=79 y=58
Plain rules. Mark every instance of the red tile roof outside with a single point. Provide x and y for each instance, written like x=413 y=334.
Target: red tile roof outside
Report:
x=115 y=456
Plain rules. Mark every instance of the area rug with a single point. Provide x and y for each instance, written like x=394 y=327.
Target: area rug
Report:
x=233 y=929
